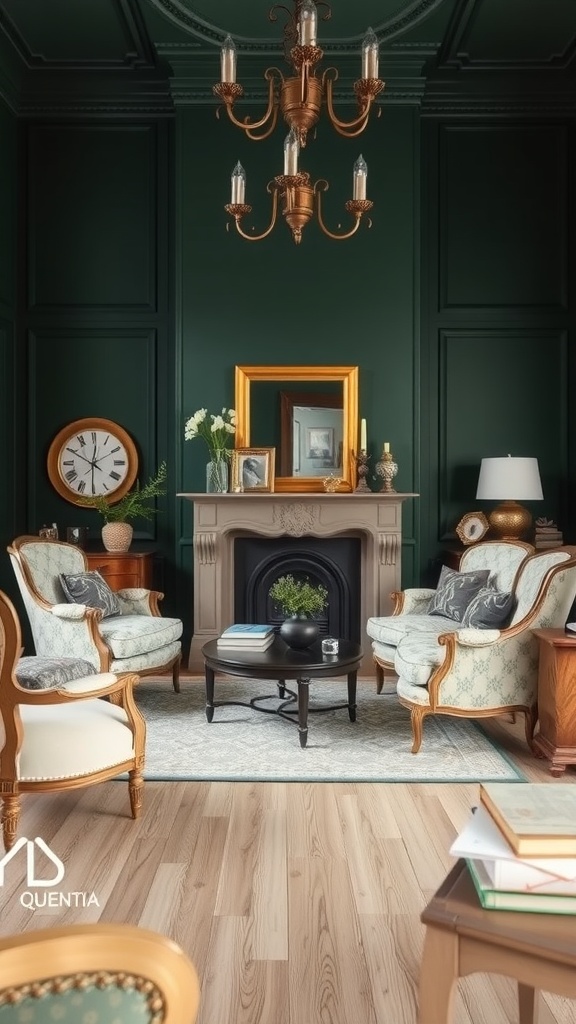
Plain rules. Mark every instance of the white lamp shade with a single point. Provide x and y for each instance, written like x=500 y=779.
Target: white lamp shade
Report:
x=509 y=479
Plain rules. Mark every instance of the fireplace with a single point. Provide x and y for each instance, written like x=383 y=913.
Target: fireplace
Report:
x=333 y=562
x=231 y=577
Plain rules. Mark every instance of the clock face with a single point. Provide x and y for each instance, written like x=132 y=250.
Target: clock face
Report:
x=92 y=457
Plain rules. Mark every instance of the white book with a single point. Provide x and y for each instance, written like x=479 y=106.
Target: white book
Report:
x=243 y=645
x=481 y=840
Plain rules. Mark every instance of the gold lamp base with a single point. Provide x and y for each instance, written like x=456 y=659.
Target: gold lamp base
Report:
x=510 y=521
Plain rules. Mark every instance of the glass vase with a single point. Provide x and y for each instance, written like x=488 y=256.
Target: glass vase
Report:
x=217 y=477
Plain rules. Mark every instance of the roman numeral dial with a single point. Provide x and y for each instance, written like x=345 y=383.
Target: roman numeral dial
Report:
x=92 y=457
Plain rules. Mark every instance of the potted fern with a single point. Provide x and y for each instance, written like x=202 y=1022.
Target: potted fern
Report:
x=300 y=600
x=137 y=504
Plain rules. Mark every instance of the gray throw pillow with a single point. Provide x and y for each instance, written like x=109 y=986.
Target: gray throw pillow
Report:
x=489 y=609
x=90 y=588
x=35 y=673
x=455 y=590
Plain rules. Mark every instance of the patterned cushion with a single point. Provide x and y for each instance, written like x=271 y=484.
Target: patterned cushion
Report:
x=35 y=673
x=490 y=609
x=455 y=591
x=91 y=589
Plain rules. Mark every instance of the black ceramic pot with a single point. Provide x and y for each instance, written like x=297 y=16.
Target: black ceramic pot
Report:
x=299 y=633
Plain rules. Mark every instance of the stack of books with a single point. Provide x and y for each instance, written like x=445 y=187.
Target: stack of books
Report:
x=520 y=847
x=246 y=636
x=547 y=534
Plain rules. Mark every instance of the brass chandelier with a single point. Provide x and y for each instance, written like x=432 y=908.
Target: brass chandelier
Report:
x=300 y=99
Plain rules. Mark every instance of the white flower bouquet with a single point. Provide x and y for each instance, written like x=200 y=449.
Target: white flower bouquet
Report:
x=217 y=431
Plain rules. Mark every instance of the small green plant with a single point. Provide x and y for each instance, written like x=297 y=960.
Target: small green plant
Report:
x=134 y=505
x=298 y=597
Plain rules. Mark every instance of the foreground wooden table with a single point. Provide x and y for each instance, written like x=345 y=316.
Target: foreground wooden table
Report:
x=538 y=950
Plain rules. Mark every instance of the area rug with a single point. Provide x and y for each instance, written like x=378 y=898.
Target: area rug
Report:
x=244 y=744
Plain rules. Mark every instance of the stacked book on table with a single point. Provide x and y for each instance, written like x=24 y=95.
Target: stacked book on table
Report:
x=520 y=847
x=249 y=636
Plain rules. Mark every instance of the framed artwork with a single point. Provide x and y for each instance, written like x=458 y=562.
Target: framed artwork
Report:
x=320 y=443
x=253 y=469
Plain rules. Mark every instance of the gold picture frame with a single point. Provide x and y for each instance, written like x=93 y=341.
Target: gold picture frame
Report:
x=472 y=527
x=253 y=469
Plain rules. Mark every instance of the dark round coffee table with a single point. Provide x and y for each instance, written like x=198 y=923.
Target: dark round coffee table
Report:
x=282 y=663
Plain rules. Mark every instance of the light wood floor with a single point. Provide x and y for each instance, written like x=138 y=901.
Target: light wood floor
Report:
x=298 y=903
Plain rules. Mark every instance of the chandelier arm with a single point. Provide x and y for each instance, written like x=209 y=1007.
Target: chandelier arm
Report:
x=321 y=186
x=268 y=132
x=250 y=126
x=345 y=128
x=258 y=238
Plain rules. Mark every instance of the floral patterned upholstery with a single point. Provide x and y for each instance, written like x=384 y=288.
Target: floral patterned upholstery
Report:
x=487 y=671
x=138 y=640
x=411 y=613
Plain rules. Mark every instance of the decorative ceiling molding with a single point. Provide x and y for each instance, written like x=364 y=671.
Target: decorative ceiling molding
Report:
x=185 y=19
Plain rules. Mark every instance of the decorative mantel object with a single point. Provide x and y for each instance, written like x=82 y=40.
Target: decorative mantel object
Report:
x=387 y=468
x=217 y=430
x=362 y=459
x=375 y=518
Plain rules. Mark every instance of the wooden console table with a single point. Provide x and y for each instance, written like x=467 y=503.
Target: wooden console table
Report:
x=556 y=738
x=123 y=568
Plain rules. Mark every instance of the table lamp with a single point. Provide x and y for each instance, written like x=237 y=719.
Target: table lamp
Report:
x=507 y=480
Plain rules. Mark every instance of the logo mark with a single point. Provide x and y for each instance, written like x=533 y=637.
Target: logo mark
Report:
x=31 y=845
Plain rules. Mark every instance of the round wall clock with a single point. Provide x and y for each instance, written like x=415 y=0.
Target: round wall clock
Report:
x=472 y=527
x=91 y=457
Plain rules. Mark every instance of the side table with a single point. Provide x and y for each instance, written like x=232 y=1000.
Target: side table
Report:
x=123 y=568
x=556 y=738
x=538 y=950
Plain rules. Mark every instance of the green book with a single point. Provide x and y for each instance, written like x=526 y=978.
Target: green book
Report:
x=531 y=902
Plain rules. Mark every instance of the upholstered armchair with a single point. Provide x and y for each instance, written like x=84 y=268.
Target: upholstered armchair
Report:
x=63 y=737
x=96 y=972
x=136 y=638
x=411 y=613
x=477 y=673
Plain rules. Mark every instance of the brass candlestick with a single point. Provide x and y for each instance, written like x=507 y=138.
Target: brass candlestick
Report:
x=387 y=469
x=362 y=458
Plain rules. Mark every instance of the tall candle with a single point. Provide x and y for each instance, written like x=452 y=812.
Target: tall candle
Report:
x=238 y=184
x=363 y=435
x=370 y=55
x=386 y=446
x=291 y=149
x=228 y=60
x=359 y=177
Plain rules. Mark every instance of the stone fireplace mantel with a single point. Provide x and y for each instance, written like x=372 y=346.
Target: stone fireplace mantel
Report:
x=220 y=518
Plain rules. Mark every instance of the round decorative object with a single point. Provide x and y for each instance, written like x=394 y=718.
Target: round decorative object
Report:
x=299 y=633
x=472 y=527
x=92 y=457
x=117 y=536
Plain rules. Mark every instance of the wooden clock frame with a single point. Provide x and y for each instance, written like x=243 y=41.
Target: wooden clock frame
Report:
x=85 y=424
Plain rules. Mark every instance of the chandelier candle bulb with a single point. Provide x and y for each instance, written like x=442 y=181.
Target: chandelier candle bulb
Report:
x=307 y=23
x=228 y=61
x=291 y=148
x=386 y=446
x=359 y=178
x=238 y=184
x=370 y=55
x=363 y=445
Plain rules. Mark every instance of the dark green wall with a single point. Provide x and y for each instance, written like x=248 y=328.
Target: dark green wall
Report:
x=136 y=303
x=13 y=452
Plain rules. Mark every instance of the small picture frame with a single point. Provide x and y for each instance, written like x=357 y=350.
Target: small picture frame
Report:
x=320 y=444
x=253 y=469
x=472 y=527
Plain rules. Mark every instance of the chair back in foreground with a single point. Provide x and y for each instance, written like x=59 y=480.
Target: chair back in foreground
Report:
x=96 y=972
x=64 y=736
